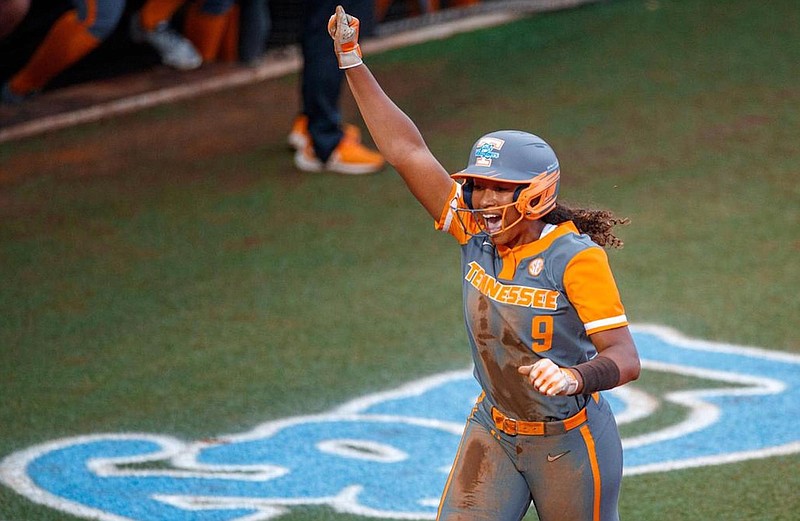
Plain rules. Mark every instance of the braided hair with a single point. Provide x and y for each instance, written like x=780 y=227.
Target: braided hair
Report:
x=597 y=224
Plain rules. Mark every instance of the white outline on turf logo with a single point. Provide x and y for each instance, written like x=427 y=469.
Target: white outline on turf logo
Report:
x=349 y=458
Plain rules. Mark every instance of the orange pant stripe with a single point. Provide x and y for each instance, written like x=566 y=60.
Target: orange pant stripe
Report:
x=592 y=451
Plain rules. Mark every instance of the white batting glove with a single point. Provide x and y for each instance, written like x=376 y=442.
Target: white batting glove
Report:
x=549 y=379
x=343 y=28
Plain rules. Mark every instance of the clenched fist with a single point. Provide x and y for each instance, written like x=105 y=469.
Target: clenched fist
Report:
x=547 y=378
x=343 y=28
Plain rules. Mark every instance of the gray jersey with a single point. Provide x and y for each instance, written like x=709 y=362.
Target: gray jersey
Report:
x=541 y=299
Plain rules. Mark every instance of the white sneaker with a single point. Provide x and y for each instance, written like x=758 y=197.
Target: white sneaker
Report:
x=175 y=50
x=349 y=157
x=305 y=159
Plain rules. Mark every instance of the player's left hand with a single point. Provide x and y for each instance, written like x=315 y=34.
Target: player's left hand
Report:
x=343 y=28
x=549 y=379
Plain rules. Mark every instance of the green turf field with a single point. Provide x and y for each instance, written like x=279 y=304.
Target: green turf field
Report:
x=194 y=288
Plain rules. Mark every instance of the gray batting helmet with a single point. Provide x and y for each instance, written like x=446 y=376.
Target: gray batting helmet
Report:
x=513 y=156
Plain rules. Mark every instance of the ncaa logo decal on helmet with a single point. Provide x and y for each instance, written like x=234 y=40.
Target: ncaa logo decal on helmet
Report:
x=485 y=150
x=517 y=157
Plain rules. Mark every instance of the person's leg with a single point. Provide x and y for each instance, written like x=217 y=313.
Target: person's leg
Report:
x=577 y=475
x=484 y=484
x=329 y=145
x=74 y=35
x=151 y=25
x=321 y=78
x=206 y=22
x=255 y=25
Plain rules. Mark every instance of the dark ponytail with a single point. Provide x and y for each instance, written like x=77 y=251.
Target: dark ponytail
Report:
x=597 y=224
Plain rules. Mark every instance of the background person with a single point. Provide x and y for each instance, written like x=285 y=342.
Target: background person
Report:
x=74 y=35
x=205 y=25
x=321 y=140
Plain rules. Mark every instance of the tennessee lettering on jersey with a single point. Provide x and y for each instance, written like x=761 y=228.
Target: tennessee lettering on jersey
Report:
x=588 y=283
x=542 y=298
x=509 y=293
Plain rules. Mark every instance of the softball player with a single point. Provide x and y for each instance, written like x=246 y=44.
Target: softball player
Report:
x=543 y=315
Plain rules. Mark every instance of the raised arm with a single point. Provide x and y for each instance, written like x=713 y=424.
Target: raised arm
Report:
x=395 y=135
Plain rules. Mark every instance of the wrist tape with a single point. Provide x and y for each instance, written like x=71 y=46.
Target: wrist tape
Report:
x=350 y=56
x=599 y=374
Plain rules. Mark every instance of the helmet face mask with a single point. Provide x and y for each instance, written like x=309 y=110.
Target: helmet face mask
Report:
x=539 y=197
x=518 y=158
x=480 y=219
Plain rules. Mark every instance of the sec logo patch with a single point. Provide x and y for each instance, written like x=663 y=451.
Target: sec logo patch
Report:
x=535 y=267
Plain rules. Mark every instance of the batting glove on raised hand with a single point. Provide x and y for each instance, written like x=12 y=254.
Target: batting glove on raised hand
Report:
x=547 y=378
x=343 y=28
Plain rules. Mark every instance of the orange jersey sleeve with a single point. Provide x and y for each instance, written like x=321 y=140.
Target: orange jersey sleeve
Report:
x=591 y=288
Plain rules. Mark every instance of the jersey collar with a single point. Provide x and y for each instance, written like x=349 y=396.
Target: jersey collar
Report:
x=512 y=256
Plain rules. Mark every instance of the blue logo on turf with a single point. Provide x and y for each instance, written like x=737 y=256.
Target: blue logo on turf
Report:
x=388 y=455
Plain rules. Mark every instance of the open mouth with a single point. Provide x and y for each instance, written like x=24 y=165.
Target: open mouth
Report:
x=493 y=222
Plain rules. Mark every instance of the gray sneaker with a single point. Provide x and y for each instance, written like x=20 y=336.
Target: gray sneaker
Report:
x=175 y=50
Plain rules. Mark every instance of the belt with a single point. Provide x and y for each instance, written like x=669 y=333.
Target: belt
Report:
x=513 y=427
